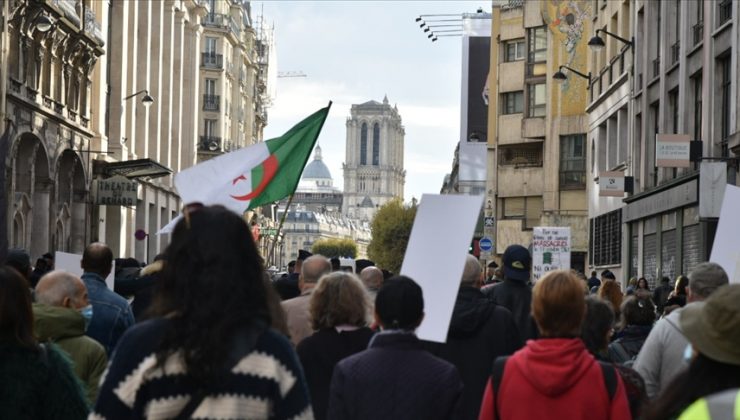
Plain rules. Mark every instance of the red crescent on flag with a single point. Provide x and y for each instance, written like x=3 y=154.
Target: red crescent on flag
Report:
x=270 y=166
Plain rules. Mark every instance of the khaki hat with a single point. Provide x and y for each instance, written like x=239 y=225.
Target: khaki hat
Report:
x=713 y=326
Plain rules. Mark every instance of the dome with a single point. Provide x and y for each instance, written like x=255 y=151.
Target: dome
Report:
x=316 y=169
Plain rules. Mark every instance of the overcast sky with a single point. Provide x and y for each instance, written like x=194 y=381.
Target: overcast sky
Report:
x=353 y=52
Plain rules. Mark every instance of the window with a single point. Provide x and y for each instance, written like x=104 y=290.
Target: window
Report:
x=673 y=101
x=376 y=144
x=725 y=11
x=536 y=100
x=606 y=238
x=514 y=50
x=513 y=102
x=210 y=86
x=537 y=38
x=210 y=45
x=573 y=161
x=363 y=144
x=697 y=85
x=210 y=128
x=529 y=209
x=698 y=29
x=724 y=65
x=520 y=155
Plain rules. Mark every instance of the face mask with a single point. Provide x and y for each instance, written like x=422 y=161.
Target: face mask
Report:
x=87 y=314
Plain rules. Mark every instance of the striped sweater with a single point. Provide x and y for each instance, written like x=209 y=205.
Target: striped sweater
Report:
x=268 y=383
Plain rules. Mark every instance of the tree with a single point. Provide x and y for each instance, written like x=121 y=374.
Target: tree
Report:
x=331 y=248
x=391 y=228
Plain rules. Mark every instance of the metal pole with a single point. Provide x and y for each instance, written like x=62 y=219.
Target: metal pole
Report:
x=280 y=227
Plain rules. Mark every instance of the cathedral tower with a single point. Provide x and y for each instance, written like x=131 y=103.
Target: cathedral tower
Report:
x=373 y=169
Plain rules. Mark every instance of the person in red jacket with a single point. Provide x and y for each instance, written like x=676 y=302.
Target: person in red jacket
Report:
x=555 y=376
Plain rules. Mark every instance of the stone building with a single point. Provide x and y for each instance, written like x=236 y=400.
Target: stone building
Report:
x=536 y=127
x=50 y=121
x=373 y=169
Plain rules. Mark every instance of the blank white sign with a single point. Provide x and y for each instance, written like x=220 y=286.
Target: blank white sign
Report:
x=726 y=248
x=71 y=263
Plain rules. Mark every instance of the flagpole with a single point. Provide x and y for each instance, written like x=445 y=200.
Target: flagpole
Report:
x=279 y=229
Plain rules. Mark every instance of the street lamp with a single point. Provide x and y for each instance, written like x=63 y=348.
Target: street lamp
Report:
x=560 y=77
x=147 y=100
x=597 y=43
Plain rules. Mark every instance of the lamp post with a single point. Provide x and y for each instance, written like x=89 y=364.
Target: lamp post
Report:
x=147 y=100
x=560 y=77
x=597 y=43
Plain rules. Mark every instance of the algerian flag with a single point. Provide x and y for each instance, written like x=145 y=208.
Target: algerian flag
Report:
x=259 y=174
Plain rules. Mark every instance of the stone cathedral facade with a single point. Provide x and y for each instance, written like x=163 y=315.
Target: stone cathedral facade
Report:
x=373 y=169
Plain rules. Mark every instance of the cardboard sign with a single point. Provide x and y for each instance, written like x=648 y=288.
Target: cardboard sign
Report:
x=71 y=263
x=550 y=250
x=436 y=253
x=726 y=248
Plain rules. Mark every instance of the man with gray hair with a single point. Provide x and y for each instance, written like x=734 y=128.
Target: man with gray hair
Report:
x=480 y=331
x=662 y=356
x=296 y=309
x=61 y=314
x=372 y=278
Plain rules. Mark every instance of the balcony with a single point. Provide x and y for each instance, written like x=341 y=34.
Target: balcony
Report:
x=209 y=144
x=222 y=21
x=698 y=31
x=211 y=102
x=675 y=52
x=213 y=60
x=725 y=11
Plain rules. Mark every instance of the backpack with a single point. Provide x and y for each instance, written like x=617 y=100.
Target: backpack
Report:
x=609 y=372
x=624 y=357
x=634 y=387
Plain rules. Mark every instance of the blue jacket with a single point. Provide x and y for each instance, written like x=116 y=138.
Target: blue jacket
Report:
x=111 y=313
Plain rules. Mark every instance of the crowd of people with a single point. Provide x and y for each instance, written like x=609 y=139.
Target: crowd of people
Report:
x=206 y=332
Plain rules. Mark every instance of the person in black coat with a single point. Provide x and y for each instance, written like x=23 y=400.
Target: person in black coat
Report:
x=395 y=378
x=287 y=287
x=339 y=314
x=515 y=292
x=480 y=331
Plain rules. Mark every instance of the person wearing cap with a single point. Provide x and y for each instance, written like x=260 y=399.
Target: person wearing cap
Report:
x=515 y=293
x=661 y=357
x=20 y=260
x=395 y=378
x=713 y=330
x=491 y=273
x=297 y=308
x=288 y=287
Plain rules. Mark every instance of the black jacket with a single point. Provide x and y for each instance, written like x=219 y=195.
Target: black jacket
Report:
x=287 y=287
x=515 y=296
x=394 y=379
x=480 y=331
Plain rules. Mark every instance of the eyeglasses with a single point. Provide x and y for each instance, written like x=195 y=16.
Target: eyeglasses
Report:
x=188 y=209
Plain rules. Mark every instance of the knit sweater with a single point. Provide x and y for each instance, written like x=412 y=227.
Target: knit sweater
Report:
x=268 y=383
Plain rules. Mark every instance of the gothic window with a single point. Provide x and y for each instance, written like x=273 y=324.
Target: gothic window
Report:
x=363 y=144
x=376 y=144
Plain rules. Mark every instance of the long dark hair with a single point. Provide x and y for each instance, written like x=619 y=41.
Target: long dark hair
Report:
x=211 y=285
x=16 y=316
x=704 y=377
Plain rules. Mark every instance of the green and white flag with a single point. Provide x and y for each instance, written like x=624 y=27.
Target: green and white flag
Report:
x=256 y=175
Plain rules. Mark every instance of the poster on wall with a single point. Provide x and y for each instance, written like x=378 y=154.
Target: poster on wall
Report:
x=550 y=250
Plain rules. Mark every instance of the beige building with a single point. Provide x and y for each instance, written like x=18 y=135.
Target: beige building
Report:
x=537 y=128
x=50 y=121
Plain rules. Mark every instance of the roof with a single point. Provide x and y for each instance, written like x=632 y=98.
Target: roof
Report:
x=367 y=202
x=316 y=169
x=370 y=103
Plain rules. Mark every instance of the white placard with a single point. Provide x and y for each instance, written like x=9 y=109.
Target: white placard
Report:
x=435 y=256
x=71 y=263
x=550 y=250
x=726 y=248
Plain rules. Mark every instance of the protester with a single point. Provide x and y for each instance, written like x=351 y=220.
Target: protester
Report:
x=638 y=315
x=480 y=331
x=143 y=296
x=288 y=287
x=336 y=264
x=111 y=313
x=362 y=264
x=661 y=294
x=514 y=293
x=677 y=298
x=661 y=357
x=37 y=380
x=61 y=315
x=395 y=378
x=372 y=278
x=642 y=284
x=610 y=291
x=724 y=405
x=593 y=281
x=297 y=309
x=596 y=332
x=555 y=376
x=606 y=275
x=339 y=314
x=43 y=265
x=712 y=329
x=207 y=352
x=491 y=273
x=20 y=260
x=631 y=286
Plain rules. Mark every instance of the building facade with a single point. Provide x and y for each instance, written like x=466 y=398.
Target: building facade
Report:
x=50 y=98
x=537 y=127
x=373 y=170
x=685 y=71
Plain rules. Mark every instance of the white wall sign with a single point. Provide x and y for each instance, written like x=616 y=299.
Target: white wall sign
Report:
x=672 y=150
x=611 y=184
x=550 y=250
x=726 y=248
x=436 y=254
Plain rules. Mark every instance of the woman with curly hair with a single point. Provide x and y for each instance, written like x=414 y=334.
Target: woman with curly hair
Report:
x=38 y=381
x=208 y=351
x=339 y=310
x=610 y=291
